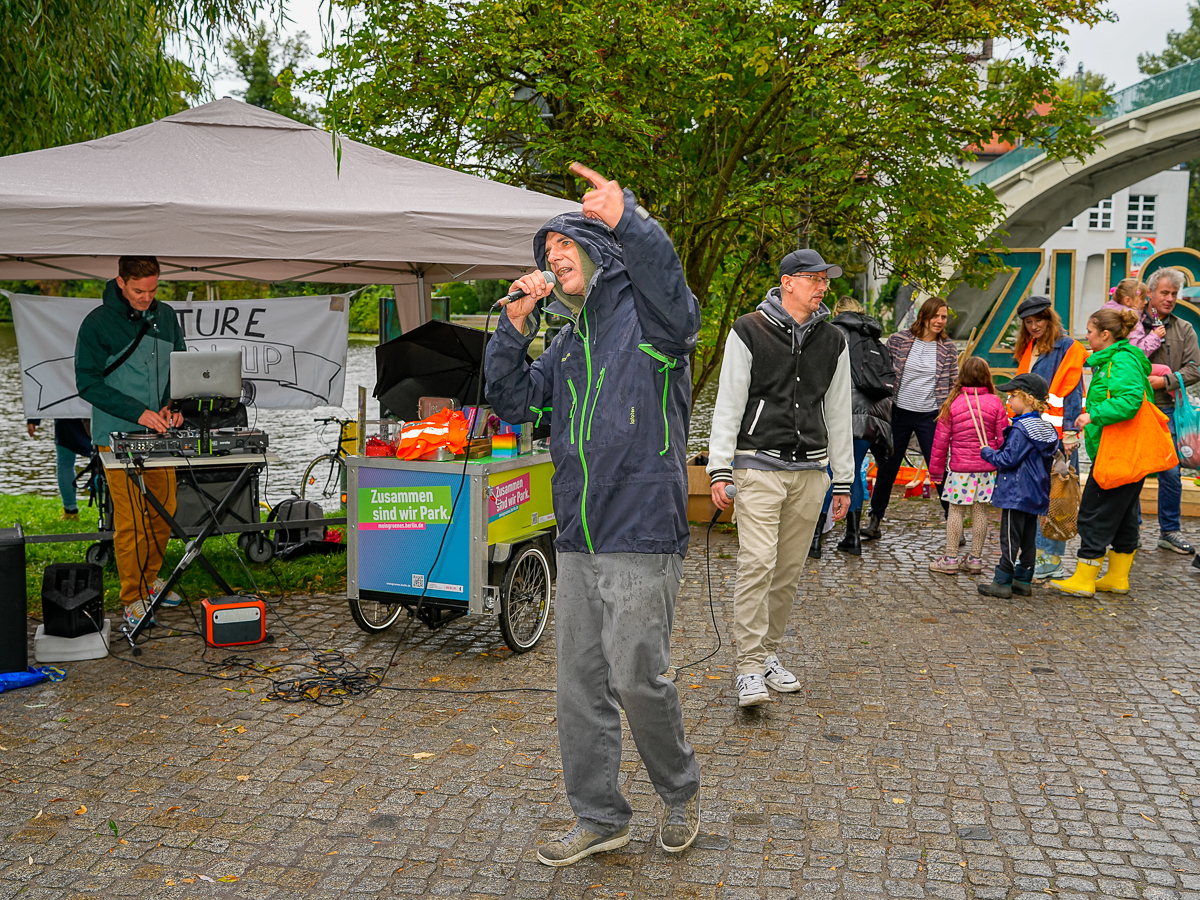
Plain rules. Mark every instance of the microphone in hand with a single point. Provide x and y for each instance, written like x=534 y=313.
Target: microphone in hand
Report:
x=730 y=492
x=518 y=293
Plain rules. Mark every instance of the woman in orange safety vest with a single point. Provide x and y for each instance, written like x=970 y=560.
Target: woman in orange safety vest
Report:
x=1045 y=348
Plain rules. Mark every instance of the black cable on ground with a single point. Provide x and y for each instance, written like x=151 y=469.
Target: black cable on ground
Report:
x=712 y=611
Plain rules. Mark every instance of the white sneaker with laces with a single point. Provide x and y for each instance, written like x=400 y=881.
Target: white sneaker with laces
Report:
x=778 y=678
x=752 y=690
x=172 y=598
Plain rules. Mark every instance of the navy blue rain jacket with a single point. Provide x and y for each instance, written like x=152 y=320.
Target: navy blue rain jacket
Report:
x=616 y=385
x=1023 y=465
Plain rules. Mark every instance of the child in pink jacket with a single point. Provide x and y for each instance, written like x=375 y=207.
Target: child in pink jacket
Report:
x=972 y=417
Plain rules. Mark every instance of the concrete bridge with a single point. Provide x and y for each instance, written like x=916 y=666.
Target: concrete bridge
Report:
x=1151 y=126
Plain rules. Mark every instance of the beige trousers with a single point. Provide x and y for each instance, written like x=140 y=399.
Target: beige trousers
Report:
x=777 y=513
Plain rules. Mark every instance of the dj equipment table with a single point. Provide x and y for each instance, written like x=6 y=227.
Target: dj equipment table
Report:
x=134 y=468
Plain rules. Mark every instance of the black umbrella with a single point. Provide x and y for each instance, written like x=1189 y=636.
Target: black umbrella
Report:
x=437 y=359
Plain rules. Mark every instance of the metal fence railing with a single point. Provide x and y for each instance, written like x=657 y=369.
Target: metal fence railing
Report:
x=1183 y=79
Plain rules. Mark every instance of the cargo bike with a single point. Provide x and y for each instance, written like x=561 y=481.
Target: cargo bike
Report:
x=494 y=557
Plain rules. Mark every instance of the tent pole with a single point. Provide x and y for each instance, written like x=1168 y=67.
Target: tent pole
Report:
x=421 y=297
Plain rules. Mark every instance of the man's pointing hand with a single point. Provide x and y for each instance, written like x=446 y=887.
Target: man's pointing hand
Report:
x=604 y=201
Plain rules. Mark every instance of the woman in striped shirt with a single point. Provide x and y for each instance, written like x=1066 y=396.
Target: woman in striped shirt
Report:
x=926 y=363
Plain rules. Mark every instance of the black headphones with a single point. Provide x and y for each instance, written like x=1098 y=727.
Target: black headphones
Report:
x=135 y=314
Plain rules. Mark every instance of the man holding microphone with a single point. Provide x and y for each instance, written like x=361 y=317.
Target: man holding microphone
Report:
x=783 y=416
x=616 y=385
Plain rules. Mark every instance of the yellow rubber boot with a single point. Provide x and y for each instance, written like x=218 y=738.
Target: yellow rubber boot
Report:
x=1083 y=582
x=1116 y=579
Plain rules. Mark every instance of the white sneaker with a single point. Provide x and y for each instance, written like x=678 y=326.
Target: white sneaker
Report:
x=172 y=598
x=778 y=678
x=752 y=691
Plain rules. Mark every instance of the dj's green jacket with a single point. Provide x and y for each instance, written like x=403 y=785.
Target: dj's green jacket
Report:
x=143 y=381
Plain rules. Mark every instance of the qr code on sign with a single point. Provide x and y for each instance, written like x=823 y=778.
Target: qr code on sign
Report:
x=419 y=581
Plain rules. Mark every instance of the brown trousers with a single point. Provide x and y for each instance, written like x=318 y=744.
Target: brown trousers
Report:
x=140 y=533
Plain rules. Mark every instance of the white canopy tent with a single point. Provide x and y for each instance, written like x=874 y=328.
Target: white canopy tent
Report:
x=228 y=191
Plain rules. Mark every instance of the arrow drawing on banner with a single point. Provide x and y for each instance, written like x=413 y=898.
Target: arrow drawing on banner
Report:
x=55 y=381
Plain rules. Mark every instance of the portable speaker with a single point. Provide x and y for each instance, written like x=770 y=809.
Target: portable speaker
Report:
x=72 y=599
x=230 y=621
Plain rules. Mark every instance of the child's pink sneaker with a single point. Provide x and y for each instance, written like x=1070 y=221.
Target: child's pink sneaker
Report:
x=972 y=565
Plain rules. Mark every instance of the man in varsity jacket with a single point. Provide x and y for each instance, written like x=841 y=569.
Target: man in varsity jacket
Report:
x=783 y=418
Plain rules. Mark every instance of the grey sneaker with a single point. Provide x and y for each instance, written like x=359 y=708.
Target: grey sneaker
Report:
x=779 y=678
x=680 y=825
x=1173 y=540
x=1048 y=566
x=752 y=690
x=578 y=843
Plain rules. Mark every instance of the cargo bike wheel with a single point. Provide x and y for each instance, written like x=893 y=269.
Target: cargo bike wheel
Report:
x=372 y=616
x=525 y=598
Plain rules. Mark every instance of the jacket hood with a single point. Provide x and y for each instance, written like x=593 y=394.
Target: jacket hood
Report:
x=599 y=254
x=860 y=322
x=1109 y=353
x=114 y=299
x=772 y=305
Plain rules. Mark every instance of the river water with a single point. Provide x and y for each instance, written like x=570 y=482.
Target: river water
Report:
x=27 y=464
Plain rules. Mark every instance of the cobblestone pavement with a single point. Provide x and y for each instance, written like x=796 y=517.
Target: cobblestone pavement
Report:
x=945 y=745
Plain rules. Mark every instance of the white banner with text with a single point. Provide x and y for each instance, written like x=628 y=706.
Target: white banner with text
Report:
x=293 y=348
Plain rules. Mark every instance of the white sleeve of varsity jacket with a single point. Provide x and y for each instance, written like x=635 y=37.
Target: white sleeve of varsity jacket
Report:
x=839 y=423
x=733 y=388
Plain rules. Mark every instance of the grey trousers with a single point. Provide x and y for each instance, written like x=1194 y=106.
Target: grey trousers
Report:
x=612 y=618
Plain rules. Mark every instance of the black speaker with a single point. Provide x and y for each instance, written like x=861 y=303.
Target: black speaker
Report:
x=72 y=599
x=14 y=640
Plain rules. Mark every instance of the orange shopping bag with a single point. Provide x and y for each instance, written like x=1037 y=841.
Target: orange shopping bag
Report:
x=444 y=429
x=1135 y=448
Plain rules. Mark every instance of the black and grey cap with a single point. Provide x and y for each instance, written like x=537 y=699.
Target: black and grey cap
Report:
x=1031 y=306
x=807 y=262
x=1034 y=385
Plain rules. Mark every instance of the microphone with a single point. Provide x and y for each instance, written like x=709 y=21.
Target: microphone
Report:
x=518 y=293
x=730 y=492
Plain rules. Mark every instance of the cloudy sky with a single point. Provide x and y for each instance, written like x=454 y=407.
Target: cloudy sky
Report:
x=1111 y=48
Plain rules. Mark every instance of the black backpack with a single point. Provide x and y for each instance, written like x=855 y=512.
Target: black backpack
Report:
x=871 y=369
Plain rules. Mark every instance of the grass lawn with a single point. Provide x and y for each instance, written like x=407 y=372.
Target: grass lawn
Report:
x=40 y=515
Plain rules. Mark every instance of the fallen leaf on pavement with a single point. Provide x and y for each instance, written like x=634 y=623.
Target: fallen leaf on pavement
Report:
x=82 y=809
x=123 y=704
x=897 y=799
x=423 y=756
x=206 y=878
x=243 y=778
x=228 y=878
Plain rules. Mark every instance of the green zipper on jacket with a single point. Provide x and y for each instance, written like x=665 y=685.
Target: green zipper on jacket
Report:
x=667 y=364
x=595 y=401
x=574 y=403
x=541 y=411
x=585 y=333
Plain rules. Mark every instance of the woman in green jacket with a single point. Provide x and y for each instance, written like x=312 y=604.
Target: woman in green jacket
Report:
x=1109 y=518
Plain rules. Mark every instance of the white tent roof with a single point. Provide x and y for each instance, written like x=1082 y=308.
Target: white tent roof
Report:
x=228 y=191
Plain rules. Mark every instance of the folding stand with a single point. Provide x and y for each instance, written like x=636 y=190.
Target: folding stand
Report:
x=192 y=545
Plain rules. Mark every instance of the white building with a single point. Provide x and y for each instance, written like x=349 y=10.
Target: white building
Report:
x=1145 y=218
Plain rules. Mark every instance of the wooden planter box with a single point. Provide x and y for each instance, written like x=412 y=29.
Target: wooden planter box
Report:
x=1189 y=504
x=700 y=506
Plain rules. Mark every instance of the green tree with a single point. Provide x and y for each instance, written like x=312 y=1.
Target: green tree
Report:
x=1182 y=46
x=745 y=127
x=80 y=69
x=269 y=64
x=1087 y=86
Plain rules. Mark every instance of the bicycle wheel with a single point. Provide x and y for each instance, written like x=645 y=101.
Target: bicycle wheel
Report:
x=525 y=599
x=325 y=478
x=372 y=616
